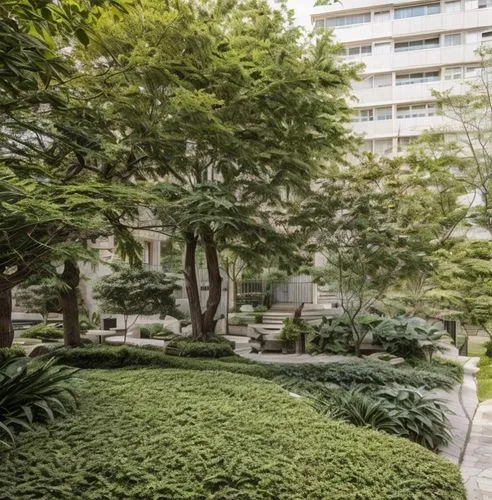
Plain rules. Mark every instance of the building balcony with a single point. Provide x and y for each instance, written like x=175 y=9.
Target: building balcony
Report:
x=396 y=28
x=407 y=93
x=416 y=59
x=397 y=127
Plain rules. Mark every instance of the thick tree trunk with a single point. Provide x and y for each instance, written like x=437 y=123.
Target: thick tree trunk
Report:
x=6 y=328
x=69 y=303
x=214 y=283
x=232 y=292
x=191 y=283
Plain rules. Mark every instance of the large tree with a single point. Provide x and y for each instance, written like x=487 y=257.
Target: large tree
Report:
x=235 y=112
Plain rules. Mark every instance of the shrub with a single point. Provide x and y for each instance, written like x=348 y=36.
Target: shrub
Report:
x=488 y=348
x=238 y=321
x=258 y=318
x=333 y=336
x=343 y=374
x=448 y=367
x=155 y=329
x=8 y=353
x=261 y=309
x=215 y=347
x=292 y=329
x=32 y=395
x=43 y=332
x=217 y=436
x=408 y=337
x=406 y=411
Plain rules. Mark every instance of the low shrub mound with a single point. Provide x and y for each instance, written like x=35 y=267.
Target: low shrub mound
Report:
x=189 y=434
x=215 y=347
x=43 y=332
x=344 y=375
x=8 y=353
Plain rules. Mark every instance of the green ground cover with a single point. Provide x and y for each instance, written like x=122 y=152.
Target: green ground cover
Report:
x=153 y=433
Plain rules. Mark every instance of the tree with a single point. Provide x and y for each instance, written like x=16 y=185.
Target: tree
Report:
x=42 y=296
x=367 y=226
x=135 y=292
x=244 y=119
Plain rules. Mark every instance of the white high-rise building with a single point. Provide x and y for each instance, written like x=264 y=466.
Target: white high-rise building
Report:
x=408 y=48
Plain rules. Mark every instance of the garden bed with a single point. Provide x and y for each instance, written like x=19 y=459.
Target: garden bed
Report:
x=185 y=434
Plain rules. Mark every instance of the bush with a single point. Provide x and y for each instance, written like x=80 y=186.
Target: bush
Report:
x=488 y=348
x=43 y=332
x=27 y=396
x=343 y=374
x=261 y=309
x=258 y=318
x=405 y=411
x=409 y=337
x=333 y=335
x=217 y=436
x=446 y=367
x=8 y=353
x=216 y=347
x=238 y=321
x=156 y=329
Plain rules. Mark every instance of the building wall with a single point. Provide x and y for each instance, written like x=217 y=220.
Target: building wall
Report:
x=394 y=99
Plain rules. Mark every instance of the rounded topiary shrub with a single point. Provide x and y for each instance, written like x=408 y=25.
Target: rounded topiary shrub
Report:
x=215 y=347
x=43 y=332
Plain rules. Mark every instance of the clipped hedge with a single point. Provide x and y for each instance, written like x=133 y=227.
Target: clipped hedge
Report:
x=342 y=374
x=43 y=332
x=193 y=435
x=216 y=347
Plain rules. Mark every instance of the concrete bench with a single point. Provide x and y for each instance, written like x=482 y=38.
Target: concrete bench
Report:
x=101 y=334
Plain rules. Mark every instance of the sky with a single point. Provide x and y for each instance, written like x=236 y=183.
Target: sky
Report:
x=302 y=8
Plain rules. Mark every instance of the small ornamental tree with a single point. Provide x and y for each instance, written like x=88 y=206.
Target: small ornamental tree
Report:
x=42 y=297
x=135 y=292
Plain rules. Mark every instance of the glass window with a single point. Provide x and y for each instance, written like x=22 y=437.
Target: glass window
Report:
x=366 y=50
x=403 y=143
x=428 y=43
x=453 y=39
x=381 y=16
x=382 y=48
x=416 y=111
x=471 y=4
x=403 y=112
x=484 y=4
x=367 y=146
x=431 y=43
x=411 y=78
x=354 y=51
x=365 y=84
x=384 y=113
x=487 y=35
x=473 y=71
x=366 y=115
x=454 y=73
x=417 y=10
x=452 y=6
x=337 y=22
x=319 y=23
x=383 y=146
x=385 y=80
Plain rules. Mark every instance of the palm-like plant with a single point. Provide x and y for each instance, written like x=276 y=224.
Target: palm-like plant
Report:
x=30 y=395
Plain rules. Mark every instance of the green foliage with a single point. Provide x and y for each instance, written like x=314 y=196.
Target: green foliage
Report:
x=488 y=348
x=90 y=322
x=214 y=347
x=239 y=321
x=43 y=332
x=448 y=367
x=42 y=297
x=406 y=411
x=484 y=378
x=131 y=291
x=409 y=337
x=261 y=309
x=258 y=318
x=333 y=335
x=216 y=436
x=29 y=395
x=156 y=330
x=343 y=374
x=8 y=353
x=292 y=329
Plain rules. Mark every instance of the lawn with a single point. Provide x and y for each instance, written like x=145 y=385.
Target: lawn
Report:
x=168 y=433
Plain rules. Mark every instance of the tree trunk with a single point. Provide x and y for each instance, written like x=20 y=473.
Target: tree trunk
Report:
x=214 y=284
x=232 y=292
x=6 y=328
x=191 y=283
x=69 y=303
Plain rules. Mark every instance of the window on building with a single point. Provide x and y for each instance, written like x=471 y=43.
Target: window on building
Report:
x=382 y=16
x=415 y=111
x=487 y=36
x=473 y=71
x=404 y=143
x=384 y=80
x=319 y=23
x=147 y=252
x=471 y=4
x=366 y=146
x=359 y=51
x=452 y=6
x=452 y=39
x=428 y=43
x=384 y=113
x=454 y=73
x=383 y=146
x=363 y=115
x=411 y=78
x=418 y=10
x=337 y=22
x=382 y=48
x=484 y=4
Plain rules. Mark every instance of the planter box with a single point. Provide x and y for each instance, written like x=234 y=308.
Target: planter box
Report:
x=238 y=330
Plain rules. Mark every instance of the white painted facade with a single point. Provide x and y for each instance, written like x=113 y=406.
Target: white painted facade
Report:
x=408 y=48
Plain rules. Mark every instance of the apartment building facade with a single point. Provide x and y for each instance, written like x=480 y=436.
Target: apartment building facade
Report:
x=408 y=48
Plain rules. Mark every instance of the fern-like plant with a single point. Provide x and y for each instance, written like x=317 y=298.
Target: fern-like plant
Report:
x=32 y=395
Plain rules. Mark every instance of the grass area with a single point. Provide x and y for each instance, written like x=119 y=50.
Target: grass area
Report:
x=484 y=378
x=476 y=346
x=153 y=433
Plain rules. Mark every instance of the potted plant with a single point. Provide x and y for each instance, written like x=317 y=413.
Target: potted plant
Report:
x=290 y=333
